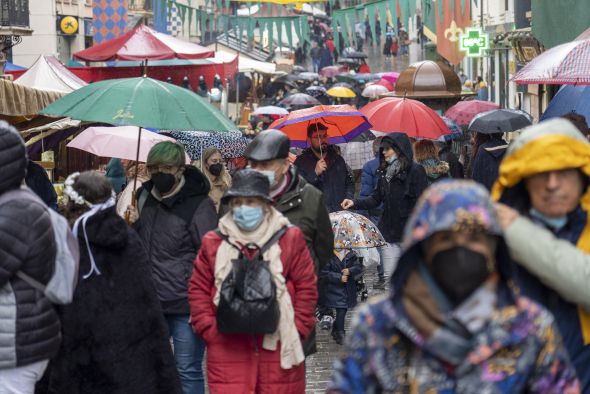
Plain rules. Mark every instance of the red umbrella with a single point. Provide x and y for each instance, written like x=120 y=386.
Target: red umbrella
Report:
x=385 y=83
x=344 y=123
x=408 y=116
x=143 y=43
x=464 y=111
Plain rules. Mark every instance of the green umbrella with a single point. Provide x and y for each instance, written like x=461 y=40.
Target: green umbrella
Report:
x=142 y=102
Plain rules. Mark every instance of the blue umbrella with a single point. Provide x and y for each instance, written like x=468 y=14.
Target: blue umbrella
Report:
x=570 y=98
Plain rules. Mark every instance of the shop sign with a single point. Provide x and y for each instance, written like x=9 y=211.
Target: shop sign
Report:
x=474 y=42
x=67 y=25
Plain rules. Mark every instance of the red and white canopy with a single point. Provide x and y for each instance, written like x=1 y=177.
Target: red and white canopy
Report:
x=143 y=43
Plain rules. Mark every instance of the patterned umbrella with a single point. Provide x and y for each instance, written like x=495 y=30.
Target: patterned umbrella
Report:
x=567 y=63
x=500 y=121
x=464 y=111
x=316 y=91
x=231 y=144
x=456 y=131
x=354 y=231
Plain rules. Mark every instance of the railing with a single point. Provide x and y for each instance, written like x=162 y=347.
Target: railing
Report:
x=14 y=13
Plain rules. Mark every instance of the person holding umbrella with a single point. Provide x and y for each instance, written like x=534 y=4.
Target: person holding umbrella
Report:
x=401 y=181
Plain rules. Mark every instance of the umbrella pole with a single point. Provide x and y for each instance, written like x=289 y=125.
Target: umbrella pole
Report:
x=136 y=164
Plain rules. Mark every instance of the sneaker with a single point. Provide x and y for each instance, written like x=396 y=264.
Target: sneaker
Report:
x=379 y=285
x=326 y=322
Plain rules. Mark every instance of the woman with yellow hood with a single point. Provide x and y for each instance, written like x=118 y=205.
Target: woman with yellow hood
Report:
x=544 y=180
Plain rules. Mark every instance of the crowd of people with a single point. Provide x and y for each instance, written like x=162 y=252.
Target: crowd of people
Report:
x=484 y=267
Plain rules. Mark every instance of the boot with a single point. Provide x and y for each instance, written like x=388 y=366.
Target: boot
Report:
x=338 y=337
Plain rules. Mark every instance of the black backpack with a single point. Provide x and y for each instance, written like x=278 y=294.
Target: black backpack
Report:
x=248 y=296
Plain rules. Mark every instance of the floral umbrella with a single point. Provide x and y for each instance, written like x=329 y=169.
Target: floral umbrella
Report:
x=354 y=231
x=231 y=144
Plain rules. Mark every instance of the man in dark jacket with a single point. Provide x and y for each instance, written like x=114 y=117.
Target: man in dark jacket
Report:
x=29 y=325
x=487 y=160
x=299 y=201
x=400 y=184
x=174 y=214
x=325 y=169
x=39 y=183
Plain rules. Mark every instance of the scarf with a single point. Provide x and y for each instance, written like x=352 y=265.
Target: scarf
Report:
x=393 y=170
x=291 y=352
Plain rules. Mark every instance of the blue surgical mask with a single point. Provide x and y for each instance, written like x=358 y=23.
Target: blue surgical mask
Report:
x=555 y=223
x=248 y=218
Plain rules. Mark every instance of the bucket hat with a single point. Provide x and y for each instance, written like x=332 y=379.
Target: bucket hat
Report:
x=248 y=183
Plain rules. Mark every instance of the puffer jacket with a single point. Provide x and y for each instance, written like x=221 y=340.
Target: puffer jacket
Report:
x=399 y=195
x=29 y=325
x=338 y=294
x=335 y=183
x=238 y=363
x=171 y=231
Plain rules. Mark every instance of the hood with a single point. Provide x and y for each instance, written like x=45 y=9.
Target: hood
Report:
x=552 y=145
x=402 y=144
x=446 y=205
x=106 y=229
x=435 y=168
x=496 y=148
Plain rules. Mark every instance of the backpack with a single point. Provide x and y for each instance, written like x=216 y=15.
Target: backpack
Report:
x=62 y=284
x=248 y=296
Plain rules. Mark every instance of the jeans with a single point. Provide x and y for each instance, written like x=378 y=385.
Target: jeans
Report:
x=188 y=352
x=339 y=321
x=390 y=254
x=316 y=66
x=21 y=380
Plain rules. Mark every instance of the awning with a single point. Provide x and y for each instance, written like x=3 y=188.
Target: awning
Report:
x=246 y=64
x=47 y=73
x=18 y=100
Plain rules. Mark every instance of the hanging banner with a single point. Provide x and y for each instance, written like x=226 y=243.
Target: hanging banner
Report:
x=451 y=23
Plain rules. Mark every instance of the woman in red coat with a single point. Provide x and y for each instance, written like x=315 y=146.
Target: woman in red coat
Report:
x=245 y=363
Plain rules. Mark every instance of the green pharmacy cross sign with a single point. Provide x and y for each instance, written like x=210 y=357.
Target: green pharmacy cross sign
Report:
x=474 y=42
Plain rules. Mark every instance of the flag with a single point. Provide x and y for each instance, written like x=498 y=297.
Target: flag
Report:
x=444 y=22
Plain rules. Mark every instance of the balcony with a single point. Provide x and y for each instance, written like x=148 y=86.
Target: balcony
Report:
x=14 y=18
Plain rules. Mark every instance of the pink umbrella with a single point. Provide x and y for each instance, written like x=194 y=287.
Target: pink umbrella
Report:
x=390 y=76
x=325 y=27
x=386 y=84
x=464 y=111
x=331 y=71
x=567 y=63
x=119 y=142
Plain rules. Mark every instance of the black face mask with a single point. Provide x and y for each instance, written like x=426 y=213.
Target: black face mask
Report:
x=459 y=272
x=215 y=169
x=163 y=182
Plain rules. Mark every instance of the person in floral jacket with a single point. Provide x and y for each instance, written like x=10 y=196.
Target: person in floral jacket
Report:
x=452 y=323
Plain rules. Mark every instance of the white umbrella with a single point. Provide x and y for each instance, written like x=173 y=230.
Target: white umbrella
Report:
x=374 y=91
x=270 y=110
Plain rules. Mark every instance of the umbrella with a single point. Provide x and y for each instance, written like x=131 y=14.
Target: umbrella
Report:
x=270 y=110
x=298 y=69
x=362 y=77
x=231 y=144
x=287 y=80
x=307 y=76
x=330 y=71
x=344 y=123
x=456 y=131
x=316 y=91
x=342 y=92
x=567 y=63
x=351 y=53
x=143 y=102
x=346 y=60
x=374 y=91
x=569 y=99
x=500 y=121
x=119 y=142
x=464 y=111
x=354 y=231
x=390 y=76
x=299 y=99
x=143 y=43
x=405 y=115
x=385 y=83
x=325 y=27
x=342 y=85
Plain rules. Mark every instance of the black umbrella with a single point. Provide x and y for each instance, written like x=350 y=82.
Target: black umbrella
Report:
x=287 y=80
x=299 y=99
x=351 y=53
x=298 y=69
x=307 y=76
x=500 y=121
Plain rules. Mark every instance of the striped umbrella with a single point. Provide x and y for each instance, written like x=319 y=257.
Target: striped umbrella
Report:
x=567 y=64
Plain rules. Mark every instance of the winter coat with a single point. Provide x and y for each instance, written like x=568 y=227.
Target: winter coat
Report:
x=399 y=195
x=369 y=180
x=335 y=183
x=114 y=335
x=338 y=294
x=171 y=231
x=29 y=325
x=116 y=175
x=487 y=161
x=325 y=58
x=549 y=271
x=455 y=166
x=518 y=350
x=238 y=363
x=39 y=183
x=435 y=169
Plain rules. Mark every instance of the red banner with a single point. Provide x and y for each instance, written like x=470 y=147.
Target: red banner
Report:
x=450 y=28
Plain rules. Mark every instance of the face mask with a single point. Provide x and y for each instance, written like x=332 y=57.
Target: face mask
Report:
x=554 y=223
x=163 y=182
x=247 y=218
x=459 y=271
x=270 y=175
x=215 y=169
